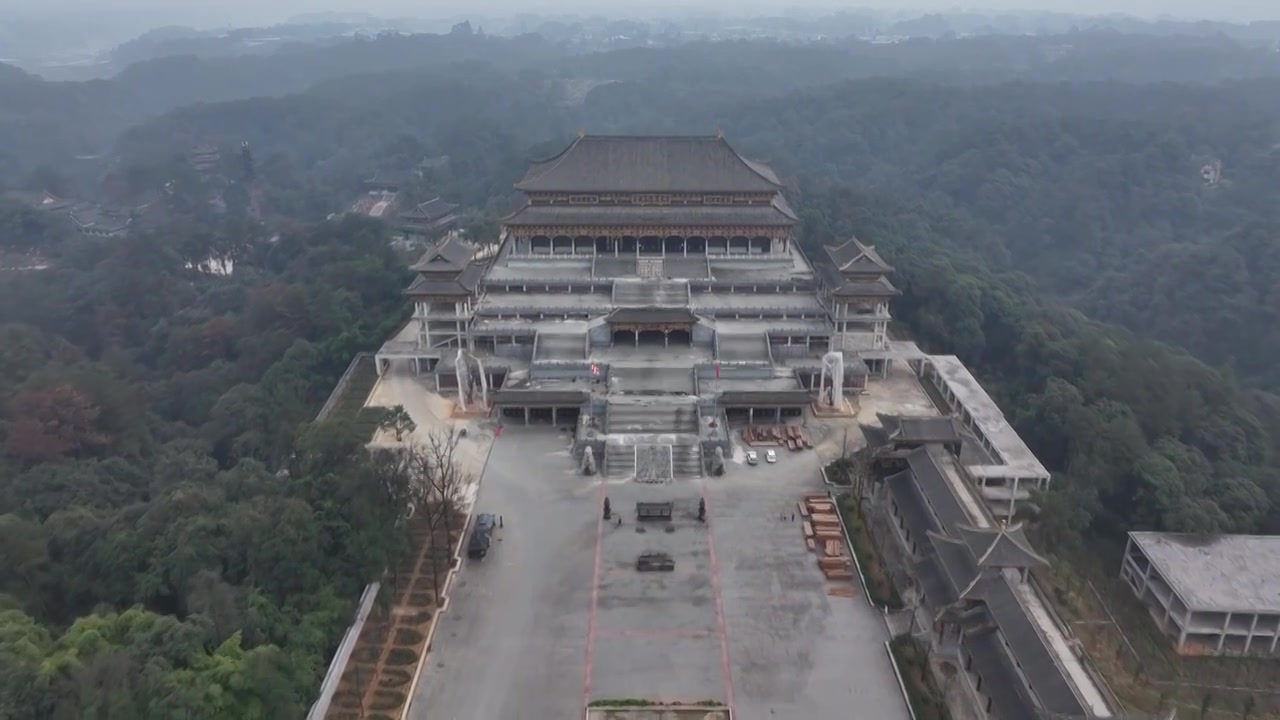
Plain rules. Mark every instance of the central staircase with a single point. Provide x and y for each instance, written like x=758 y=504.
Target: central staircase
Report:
x=651 y=415
x=651 y=293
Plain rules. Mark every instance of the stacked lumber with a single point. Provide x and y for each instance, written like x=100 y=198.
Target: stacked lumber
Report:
x=793 y=437
x=824 y=535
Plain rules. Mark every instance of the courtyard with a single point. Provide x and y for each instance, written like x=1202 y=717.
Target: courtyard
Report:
x=557 y=616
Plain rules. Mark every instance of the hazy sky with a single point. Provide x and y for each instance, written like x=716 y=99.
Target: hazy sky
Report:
x=235 y=12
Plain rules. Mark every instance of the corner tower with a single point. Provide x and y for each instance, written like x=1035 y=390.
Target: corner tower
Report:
x=859 y=293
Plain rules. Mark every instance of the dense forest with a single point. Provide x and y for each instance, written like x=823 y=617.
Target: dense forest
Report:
x=177 y=539
x=1088 y=220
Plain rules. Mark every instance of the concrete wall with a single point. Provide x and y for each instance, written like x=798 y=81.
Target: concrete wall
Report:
x=600 y=335
x=788 y=351
x=520 y=352
x=733 y=372
x=576 y=370
x=703 y=335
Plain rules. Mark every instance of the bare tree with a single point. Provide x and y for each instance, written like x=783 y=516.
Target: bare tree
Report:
x=439 y=484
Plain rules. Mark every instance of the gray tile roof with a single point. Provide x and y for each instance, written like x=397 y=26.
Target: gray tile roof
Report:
x=927 y=429
x=992 y=547
x=935 y=489
x=989 y=599
x=463 y=283
x=533 y=396
x=1009 y=695
x=429 y=211
x=614 y=215
x=758 y=398
x=854 y=257
x=648 y=164
x=1047 y=680
x=955 y=565
x=840 y=285
x=446 y=256
x=912 y=507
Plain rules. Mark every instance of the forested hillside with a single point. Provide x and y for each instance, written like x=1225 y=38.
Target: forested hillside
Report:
x=154 y=419
x=59 y=121
x=176 y=541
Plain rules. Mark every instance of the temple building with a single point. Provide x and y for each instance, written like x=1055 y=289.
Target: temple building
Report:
x=649 y=294
x=649 y=291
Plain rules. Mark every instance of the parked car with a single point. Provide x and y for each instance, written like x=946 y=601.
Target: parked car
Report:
x=481 y=536
x=770 y=456
x=752 y=457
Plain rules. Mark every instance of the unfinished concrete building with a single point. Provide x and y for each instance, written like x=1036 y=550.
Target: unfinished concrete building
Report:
x=1210 y=594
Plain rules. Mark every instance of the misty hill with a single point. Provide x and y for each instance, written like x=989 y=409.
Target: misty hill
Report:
x=59 y=121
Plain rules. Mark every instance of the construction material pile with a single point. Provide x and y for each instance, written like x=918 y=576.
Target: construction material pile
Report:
x=824 y=535
x=793 y=437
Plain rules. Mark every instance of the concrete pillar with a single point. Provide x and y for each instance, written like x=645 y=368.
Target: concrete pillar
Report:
x=1248 y=639
x=1222 y=638
x=526 y=416
x=553 y=416
x=778 y=415
x=751 y=415
x=666 y=338
x=1275 y=638
x=1146 y=578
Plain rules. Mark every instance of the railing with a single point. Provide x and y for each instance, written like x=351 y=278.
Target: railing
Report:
x=340 y=659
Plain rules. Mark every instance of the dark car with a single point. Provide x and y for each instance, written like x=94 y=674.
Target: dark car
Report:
x=481 y=535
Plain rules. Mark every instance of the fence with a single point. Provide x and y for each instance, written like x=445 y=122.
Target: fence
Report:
x=339 y=663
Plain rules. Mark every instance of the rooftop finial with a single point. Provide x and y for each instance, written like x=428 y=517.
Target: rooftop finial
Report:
x=582 y=132
x=719 y=131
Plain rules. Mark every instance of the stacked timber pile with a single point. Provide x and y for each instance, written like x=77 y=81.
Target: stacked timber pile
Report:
x=824 y=535
x=794 y=437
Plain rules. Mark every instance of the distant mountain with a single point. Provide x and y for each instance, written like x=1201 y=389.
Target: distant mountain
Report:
x=13 y=73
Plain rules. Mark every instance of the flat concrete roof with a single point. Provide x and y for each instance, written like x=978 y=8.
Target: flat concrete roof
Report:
x=791 y=302
x=800 y=327
x=534 y=269
x=651 y=379
x=744 y=348
x=1014 y=459
x=532 y=302
x=1217 y=573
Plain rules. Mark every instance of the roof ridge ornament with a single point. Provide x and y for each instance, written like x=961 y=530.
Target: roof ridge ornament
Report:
x=582 y=132
x=719 y=131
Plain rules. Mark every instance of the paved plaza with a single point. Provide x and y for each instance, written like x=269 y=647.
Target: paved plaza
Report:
x=557 y=616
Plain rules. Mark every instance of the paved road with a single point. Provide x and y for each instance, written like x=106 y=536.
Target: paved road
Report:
x=557 y=614
x=512 y=642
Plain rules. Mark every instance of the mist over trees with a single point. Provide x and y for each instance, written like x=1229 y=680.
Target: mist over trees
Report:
x=1093 y=237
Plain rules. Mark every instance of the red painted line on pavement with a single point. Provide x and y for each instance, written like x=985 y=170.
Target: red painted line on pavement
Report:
x=652 y=634
x=721 y=626
x=595 y=601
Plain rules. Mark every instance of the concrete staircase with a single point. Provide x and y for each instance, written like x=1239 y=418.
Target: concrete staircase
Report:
x=619 y=460
x=652 y=416
x=686 y=461
x=651 y=293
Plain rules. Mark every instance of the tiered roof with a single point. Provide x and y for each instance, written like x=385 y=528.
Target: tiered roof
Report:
x=447 y=268
x=429 y=211
x=858 y=270
x=777 y=214
x=622 y=163
x=855 y=258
